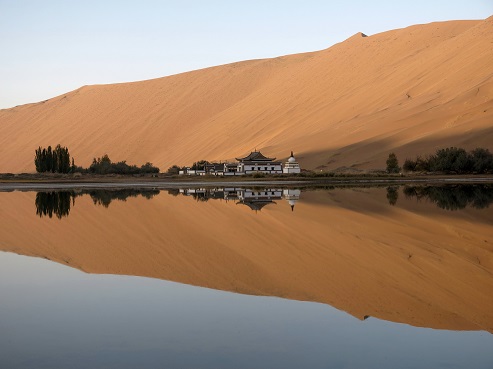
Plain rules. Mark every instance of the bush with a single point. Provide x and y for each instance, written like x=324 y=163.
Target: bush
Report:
x=453 y=160
x=393 y=164
x=482 y=160
x=104 y=165
x=174 y=169
x=409 y=165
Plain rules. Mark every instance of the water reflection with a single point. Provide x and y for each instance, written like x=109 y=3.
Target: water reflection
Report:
x=254 y=198
x=392 y=194
x=59 y=203
x=450 y=197
x=346 y=247
x=54 y=203
x=56 y=317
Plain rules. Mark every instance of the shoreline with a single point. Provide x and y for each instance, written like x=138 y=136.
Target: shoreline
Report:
x=33 y=184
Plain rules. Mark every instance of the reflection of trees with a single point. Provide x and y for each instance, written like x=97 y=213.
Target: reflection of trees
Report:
x=104 y=197
x=201 y=197
x=59 y=202
x=392 y=194
x=453 y=197
x=174 y=191
x=49 y=203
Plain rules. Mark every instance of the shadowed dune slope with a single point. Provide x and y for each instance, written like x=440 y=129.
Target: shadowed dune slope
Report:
x=409 y=90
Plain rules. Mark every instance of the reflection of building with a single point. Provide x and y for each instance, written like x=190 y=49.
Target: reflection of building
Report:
x=291 y=166
x=253 y=163
x=255 y=199
x=292 y=195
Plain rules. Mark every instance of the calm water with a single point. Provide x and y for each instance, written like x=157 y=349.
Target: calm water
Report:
x=395 y=277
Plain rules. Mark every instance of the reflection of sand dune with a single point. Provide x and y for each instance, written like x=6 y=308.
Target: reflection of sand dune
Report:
x=407 y=90
x=429 y=268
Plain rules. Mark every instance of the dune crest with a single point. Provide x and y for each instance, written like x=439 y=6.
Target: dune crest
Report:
x=409 y=91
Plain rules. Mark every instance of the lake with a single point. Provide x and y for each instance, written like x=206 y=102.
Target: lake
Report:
x=322 y=277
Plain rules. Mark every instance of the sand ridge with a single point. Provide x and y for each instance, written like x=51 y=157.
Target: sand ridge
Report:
x=409 y=90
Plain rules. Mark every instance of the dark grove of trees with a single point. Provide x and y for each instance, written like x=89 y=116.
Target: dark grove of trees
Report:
x=104 y=165
x=58 y=161
x=55 y=161
x=453 y=160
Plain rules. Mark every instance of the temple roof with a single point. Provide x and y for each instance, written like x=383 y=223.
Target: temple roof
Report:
x=255 y=156
x=256 y=204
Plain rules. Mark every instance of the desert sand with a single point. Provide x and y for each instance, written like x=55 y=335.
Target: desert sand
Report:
x=411 y=263
x=409 y=90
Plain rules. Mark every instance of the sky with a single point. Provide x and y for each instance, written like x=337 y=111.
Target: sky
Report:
x=52 y=47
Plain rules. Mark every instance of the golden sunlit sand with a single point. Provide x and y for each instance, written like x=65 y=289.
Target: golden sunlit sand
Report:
x=409 y=90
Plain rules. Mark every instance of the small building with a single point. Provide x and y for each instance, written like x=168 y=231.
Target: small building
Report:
x=255 y=162
x=215 y=169
x=231 y=170
x=291 y=166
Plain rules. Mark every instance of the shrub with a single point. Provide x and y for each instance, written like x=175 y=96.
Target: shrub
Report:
x=393 y=164
x=453 y=160
x=409 y=165
x=104 y=165
x=174 y=169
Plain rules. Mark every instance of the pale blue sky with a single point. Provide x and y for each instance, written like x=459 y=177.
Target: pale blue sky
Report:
x=51 y=47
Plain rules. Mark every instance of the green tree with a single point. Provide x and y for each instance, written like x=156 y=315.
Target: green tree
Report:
x=149 y=168
x=199 y=165
x=393 y=164
x=482 y=160
x=38 y=159
x=174 y=169
x=452 y=159
x=48 y=160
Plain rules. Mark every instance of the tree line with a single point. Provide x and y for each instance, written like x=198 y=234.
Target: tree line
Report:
x=104 y=165
x=58 y=161
x=453 y=160
x=55 y=161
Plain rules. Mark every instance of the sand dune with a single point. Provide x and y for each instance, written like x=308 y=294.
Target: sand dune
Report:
x=411 y=263
x=409 y=90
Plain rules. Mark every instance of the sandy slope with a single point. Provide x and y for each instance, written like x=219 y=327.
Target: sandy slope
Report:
x=412 y=263
x=408 y=90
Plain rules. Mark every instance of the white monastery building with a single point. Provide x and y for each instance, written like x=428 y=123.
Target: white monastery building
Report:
x=253 y=163
x=291 y=166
